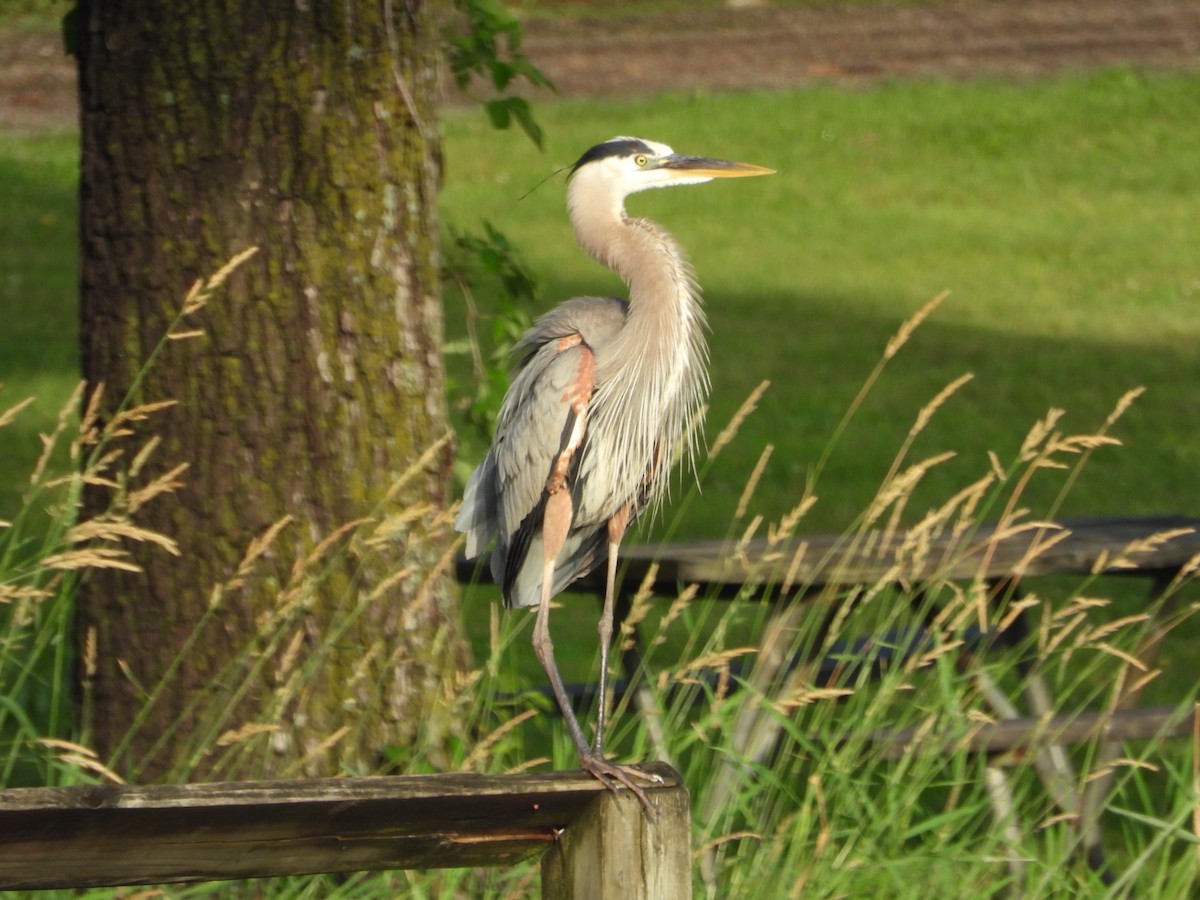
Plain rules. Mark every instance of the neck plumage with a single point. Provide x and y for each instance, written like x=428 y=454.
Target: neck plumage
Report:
x=662 y=287
x=658 y=363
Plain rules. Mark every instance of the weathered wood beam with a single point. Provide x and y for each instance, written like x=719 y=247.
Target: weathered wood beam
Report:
x=1079 y=546
x=92 y=836
x=1029 y=733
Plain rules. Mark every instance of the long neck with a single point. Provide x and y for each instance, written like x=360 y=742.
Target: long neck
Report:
x=662 y=288
x=658 y=363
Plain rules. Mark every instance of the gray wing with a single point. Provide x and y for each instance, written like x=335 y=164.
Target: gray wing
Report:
x=506 y=493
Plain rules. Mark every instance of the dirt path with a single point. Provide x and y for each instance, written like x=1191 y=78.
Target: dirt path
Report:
x=37 y=82
x=750 y=48
x=780 y=47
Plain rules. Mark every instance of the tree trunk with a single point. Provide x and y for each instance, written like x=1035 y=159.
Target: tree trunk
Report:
x=306 y=129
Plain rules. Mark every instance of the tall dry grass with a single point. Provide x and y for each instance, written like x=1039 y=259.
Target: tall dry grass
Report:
x=779 y=707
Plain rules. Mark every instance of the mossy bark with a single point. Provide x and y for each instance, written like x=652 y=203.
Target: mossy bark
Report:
x=306 y=129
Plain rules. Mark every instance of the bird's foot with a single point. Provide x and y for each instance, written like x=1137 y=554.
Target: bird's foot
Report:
x=614 y=776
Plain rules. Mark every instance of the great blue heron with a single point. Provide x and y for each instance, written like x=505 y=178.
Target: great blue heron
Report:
x=606 y=393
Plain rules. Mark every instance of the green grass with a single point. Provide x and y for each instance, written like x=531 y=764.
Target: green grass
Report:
x=39 y=343
x=1060 y=214
x=34 y=15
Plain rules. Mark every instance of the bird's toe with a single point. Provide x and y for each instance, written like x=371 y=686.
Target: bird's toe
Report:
x=614 y=776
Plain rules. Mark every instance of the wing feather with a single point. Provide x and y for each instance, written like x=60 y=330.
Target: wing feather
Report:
x=505 y=494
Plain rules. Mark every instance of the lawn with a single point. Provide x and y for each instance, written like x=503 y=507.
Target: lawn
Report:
x=1060 y=216
x=39 y=347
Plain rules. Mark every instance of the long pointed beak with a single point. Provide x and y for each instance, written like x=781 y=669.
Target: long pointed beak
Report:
x=692 y=166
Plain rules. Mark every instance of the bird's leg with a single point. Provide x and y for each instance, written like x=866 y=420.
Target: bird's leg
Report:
x=555 y=524
x=616 y=530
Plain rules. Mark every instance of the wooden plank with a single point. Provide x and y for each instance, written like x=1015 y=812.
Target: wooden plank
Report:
x=91 y=836
x=1029 y=732
x=1075 y=546
x=614 y=851
x=1069 y=547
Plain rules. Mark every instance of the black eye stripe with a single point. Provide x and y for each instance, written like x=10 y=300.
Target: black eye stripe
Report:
x=623 y=147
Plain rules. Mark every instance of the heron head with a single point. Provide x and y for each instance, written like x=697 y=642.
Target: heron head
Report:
x=628 y=165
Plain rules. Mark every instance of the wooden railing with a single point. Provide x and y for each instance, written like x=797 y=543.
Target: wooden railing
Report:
x=594 y=843
x=1110 y=545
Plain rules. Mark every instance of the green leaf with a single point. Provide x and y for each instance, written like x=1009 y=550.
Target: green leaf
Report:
x=495 y=13
x=498 y=112
x=474 y=50
x=70 y=31
x=524 y=116
x=502 y=73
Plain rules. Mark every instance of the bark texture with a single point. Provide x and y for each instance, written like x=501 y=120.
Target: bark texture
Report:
x=306 y=129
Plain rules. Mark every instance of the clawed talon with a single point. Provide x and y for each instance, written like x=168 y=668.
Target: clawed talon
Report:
x=611 y=775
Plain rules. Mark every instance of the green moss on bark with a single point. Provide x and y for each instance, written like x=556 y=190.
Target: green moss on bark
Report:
x=206 y=129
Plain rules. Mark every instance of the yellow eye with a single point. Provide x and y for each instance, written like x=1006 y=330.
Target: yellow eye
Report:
x=640 y=160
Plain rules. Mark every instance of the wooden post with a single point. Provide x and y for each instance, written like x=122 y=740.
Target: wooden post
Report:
x=616 y=851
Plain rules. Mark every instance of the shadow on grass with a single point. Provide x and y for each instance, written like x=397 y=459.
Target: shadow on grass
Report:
x=818 y=351
x=39 y=342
